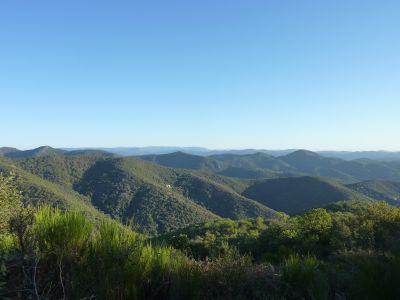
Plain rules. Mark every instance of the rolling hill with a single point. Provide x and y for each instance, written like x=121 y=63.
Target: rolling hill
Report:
x=254 y=161
x=381 y=190
x=298 y=163
x=49 y=151
x=165 y=198
x=5 y=151
x=37 y=152
x=161 y=193
x=248 y=166
x=293 y=195
x=38 y=191
x=152 y=197
x=185 y=161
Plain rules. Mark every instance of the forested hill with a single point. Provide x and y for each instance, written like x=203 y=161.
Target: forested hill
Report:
x=297 y=194
x=298 y=163
x=155 y=198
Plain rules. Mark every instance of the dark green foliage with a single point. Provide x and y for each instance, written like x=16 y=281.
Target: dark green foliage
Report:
x=152 y=198
x=304 y=278
x=251 y=173
x=10 y=199
x=219 y=199
x=293 y=195
x=380 y=190
x=185 y=161
x=160 y=199
x=302 y=162
x=49 y=151
x=37 y=191
x=348 y=250
x=254 y=161
x=128 y=189
x=58 y=169
x=214 y=238
x=41 y=151
x=352 y=254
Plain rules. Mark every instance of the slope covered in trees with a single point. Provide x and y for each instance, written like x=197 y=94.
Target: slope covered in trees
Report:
x=351 y=254
x=380 y=190
x=297 y=163
x=152 y=198
x=293 y=195
x=38 y=191
x=160 y=198
x=157 y=199
x=185 y=161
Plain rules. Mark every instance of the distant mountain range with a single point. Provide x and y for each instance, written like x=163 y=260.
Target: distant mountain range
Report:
x=346 y=155
x=156 y=150
x=49 y=151
x=158 y=193
x=298 y=163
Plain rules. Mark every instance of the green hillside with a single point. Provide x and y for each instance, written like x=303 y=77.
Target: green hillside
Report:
x=185 y=161
x=56 y=168
x=311 y=163
x=153 y=198
x=381 y=190
x=219 y=199
x=133 y=191
x=89 y=152
x=298 y=163
x=38 y=191
x=37 y=152
x=244 y=173
x=160 y=199
x=249 y=166
x=254 y=161
x=293 y=195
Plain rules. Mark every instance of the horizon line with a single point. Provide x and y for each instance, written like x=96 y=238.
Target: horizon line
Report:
x=202 y=148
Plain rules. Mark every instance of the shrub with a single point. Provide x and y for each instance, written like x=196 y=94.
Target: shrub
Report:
x=62 y=234
x=304 y=278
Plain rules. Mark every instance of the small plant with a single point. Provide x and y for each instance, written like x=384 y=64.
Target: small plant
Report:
x=304 y=277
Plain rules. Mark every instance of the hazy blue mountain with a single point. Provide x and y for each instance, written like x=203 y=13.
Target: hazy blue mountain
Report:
x=89 y=152
x=185 y=161
x=49 y=151
x=301 y=162
x=346 y=155
x=311 y=163
x=253 y=161
x=4 y=151
x=375 y=155
x=40 y=151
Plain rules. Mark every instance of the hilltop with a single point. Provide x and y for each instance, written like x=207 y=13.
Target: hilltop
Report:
x=298 y=163
x=381 y=190
x=294 y=195
x=152 y=197
x=161 y=193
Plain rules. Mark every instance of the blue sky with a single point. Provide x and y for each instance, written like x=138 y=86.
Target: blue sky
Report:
x=221 y=74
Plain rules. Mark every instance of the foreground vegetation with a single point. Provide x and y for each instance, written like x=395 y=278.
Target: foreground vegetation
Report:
x=350 y=251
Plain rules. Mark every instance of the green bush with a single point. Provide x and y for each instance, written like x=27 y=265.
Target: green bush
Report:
x=114 y=256
x=305 y=278
x=62 y=234
x=10 y=201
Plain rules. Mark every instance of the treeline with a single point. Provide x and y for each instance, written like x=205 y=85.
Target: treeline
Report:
x=350 y=251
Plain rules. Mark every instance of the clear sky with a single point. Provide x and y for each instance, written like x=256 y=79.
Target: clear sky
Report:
x=216 y=73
